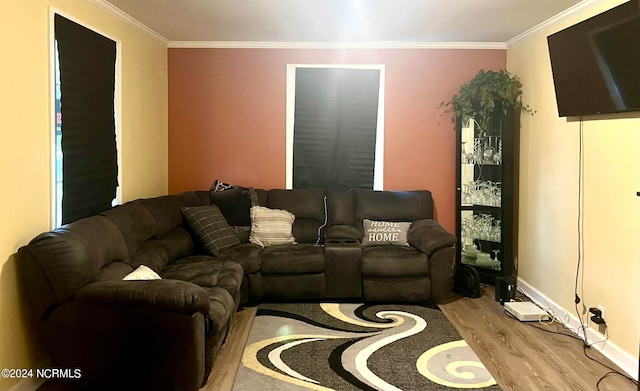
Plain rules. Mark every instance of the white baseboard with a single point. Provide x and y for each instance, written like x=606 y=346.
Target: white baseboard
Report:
x=622 y=359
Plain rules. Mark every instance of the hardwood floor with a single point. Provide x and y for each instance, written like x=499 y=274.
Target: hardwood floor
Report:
x=522 y=357
x=519 y=356
x=226 y=365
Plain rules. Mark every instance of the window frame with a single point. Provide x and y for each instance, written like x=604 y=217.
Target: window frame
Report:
x=378 y=176
x=55 y=220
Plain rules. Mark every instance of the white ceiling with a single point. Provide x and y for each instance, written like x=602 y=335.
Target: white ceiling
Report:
x=390 y=21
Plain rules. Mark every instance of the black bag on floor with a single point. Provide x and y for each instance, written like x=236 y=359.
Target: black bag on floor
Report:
x=467 y=281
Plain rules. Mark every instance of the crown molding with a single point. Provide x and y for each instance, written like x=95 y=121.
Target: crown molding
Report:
x=569 y=12
x=576 y=9
x=118 y=13
x=335 y=45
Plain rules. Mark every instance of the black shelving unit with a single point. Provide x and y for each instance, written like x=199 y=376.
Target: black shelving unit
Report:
x=496 y=173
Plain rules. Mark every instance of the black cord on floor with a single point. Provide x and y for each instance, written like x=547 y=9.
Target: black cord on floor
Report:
x=577 y=299
x=535 y=325
x=585 y=346
x=612 y=371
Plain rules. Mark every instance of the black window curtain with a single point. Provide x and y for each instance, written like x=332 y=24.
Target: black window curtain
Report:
x=335 y=122
x=87 y=84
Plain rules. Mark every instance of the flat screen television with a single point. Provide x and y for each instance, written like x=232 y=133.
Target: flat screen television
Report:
x=596 y=63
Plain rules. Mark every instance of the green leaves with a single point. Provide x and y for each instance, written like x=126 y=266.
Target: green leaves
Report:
x=477 y=99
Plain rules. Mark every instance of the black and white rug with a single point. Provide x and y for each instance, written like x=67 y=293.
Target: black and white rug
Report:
x=338 y=346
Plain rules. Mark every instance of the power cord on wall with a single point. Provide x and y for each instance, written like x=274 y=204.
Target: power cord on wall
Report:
x=580 y=228
x=577 y=299
x=560 y=319
x=326 y=218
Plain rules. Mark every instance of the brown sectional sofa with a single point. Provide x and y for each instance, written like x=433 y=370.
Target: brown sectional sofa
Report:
x=165 y=334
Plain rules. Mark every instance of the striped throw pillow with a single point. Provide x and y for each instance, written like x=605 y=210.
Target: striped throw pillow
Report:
x=271 y=226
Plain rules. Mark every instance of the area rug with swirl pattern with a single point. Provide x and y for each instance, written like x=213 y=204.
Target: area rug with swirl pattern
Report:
x=340 y=346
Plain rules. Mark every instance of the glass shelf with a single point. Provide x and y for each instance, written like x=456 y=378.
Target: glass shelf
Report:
x=468 y=261
x=482 y=164
x=486 y=181
x=484 y=240
x=480 y=206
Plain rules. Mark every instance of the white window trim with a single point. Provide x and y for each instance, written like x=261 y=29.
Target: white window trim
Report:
x=52 y=107
x=378 y=175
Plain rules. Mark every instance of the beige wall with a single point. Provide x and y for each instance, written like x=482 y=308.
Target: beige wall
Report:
x=25 y=156
x=549 y=173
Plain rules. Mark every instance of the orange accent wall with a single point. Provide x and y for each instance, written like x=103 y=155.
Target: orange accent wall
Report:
x=227 y=115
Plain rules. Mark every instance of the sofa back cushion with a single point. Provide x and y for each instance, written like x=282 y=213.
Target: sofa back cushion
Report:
x=307 y=205
x=114 y=271
x=73 y=255
x=165 y=210
x=134 y=222
x=235 y=204
x=341 y=207
x=205 y=196
x=158 y=253
x=393 y=205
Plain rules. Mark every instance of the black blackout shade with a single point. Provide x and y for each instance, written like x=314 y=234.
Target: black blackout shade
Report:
x=336 y=116
x=87 y=83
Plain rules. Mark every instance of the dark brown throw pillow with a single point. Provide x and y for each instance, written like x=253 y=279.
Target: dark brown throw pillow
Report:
x=234 y=204
x=211 y=228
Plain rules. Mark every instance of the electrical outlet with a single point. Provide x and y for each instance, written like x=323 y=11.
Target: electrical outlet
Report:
x=597 y=313
x=601 y=308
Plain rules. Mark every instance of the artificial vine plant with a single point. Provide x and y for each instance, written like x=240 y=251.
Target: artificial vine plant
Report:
x=479 y=98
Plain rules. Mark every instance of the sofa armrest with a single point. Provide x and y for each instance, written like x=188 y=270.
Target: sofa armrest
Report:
x=175 y=296
x=428 y=236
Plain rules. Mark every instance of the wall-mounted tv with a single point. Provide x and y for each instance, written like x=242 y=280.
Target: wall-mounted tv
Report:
x=596 y=63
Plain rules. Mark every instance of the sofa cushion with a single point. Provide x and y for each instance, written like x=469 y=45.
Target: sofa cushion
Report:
x=385 y=233
x=71 y=256
x=393 y=261
x=242 y=232
x=293 y=259
x=234 y=203
x=114 y=271
x=134 y=221
x=303 y=203
x=248 y=255
x=178 y=243
x=342 y=232
x=210 y=227
x=158 y=253
x=307 y=205
x=307 y=231
x=152 y=254
x=207 y=271
x=393 y=205
x=165 y=210
x=271 y=226
x=341 y=207
x=205 y=196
